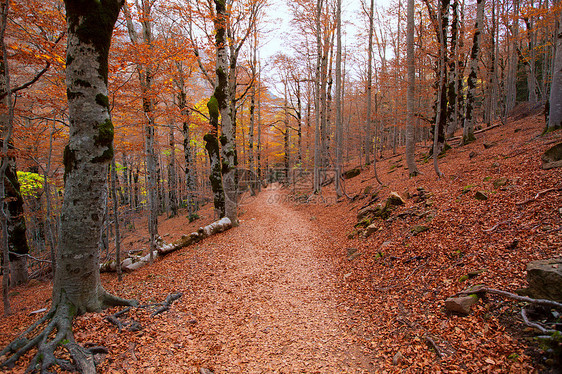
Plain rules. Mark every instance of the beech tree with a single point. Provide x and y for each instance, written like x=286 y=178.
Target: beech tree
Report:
x=410 y=138
x=468 y=132
x=555 y=113
x=145 y=77
x=77 y=288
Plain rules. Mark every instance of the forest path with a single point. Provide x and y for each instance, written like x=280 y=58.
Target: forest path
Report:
x=271 y=304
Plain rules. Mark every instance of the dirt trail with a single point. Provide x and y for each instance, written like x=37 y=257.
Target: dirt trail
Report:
x=272 y=305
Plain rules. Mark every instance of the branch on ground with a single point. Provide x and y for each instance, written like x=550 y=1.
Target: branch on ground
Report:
x=481 y=289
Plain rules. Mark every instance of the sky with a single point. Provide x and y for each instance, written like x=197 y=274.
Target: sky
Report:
x=277 y=38
x=279 y=16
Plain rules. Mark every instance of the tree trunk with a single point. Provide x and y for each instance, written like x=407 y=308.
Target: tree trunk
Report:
x=511 y=95
x=172 y=180
x=116 y=220
x=531 y=63
x=453 y=71
x=410 y=134
x=258 y=145
x=222 y=95
x=468 y=132
x=339 y=124
x=145 y=77
x=368 y=136
x=555 y=103
x=317 y=88
x=89 y=151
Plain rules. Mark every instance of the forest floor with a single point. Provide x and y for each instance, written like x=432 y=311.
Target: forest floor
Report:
x=295 y=288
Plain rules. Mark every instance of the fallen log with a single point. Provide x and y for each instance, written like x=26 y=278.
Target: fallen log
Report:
x=134 y=262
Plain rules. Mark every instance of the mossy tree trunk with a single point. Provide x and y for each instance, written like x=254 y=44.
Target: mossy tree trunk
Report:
x=77 y=287
x=213 y=150
x=17 y=238
x=468 y=132
x=87 y=155
x=222 y=97
x=14 y=220
x=452 y=92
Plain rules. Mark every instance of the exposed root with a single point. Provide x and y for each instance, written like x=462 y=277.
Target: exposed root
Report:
x=535 y=324
x=58 y=322
x=483 y=289
x=539 y=194
x=157 y=308
x=50 y=332
x=167 y=303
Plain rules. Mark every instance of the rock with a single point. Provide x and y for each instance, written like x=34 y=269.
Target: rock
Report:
x=394 y=200
x=461 y=304
x=398 y=358
x=351 y=252
x=480 y=195
x=353 y=256
x=545 y=279
x=127 y=262
x=205 y=371
x=472 y=154
x=475 y=273
x=418 y=229
x=352 y=234
x=552 y=158
x=503 y=181
x=371 y=211
x=370 y=230
x=489 y=145
x=351 y=173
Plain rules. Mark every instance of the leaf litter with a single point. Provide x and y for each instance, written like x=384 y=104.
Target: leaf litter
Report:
x=293 y=289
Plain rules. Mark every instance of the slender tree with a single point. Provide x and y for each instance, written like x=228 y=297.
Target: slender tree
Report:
x=339 y=124
x=410 y=133
x=555 y=112
x=368 y=135
x=468 y=132
x=145 y=78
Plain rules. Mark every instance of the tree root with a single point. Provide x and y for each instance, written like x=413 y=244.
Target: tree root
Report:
x=54 y=330
x=534 y=324
x=133 y=325
x=509 y=295
x=59 y=322
x=165 y=306
x=539 y=194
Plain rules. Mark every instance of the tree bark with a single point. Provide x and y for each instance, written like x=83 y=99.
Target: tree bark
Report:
x=13 y=213
x=339 y=124
x=145 y=78
x=221 y=96
x=317 y=143
x=86 y=157
x=468 y=132
x=511 y=95
x=555 y=102
x=172 y=180
x=410 y=134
